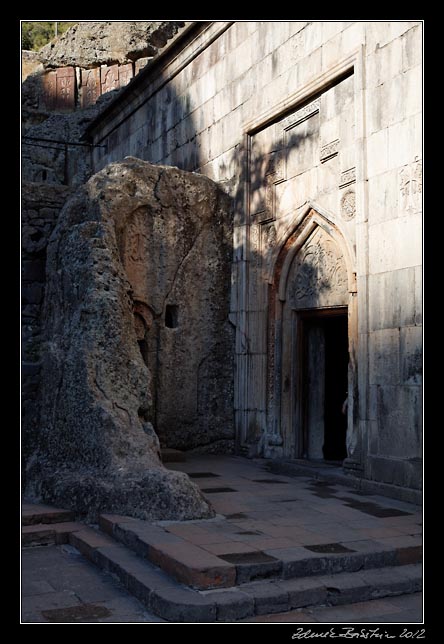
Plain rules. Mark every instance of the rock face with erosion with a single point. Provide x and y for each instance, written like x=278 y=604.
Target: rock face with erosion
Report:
x=97 y=449
x=88 y=44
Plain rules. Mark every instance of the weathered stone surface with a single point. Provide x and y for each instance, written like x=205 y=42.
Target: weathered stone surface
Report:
x=89 y=44
x=51 y=162
x=97 y=449
x=41 y=205
x=30 y=63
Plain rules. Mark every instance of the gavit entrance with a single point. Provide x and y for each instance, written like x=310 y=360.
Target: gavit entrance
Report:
x=312 y=335
x=322 y=386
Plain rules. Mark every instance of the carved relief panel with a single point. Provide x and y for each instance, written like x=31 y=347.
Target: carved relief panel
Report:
x=125 y=74
x=49 y=81
x=65 y=88
x=135 y=254
x=109 y=78
x=318 y=276
x=90 y=86
x=410 y=187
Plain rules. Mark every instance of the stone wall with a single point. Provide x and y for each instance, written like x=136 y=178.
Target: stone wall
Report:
x=41 y=205
x=218 y=105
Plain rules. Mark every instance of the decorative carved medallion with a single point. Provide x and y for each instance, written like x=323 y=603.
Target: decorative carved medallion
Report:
x=348 y=205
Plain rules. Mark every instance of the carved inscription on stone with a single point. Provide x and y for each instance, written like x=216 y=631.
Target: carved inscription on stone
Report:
x=410 y=185
x=348 y=205
x=347 y=177
x=300 y=115
x=329 y=150
x=90 y=86
x=109 y=78
x=65 y=88
x=318 y=276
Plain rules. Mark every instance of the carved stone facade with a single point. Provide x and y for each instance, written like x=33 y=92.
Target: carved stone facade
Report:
x=66 y=88
x=314 y=130
x=410 y=186
x=318 y=275
x=91 y=89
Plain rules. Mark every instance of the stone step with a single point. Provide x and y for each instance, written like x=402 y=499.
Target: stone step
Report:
x=191 y=565
x=48 y=534
x=177 y=603
x=33 y=513
x=182 y=560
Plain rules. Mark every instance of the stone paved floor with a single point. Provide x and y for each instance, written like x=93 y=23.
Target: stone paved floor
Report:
x=60 y=586
x=260 y=511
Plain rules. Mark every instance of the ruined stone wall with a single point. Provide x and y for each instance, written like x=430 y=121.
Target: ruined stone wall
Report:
x=41 y=205
x=350 y=149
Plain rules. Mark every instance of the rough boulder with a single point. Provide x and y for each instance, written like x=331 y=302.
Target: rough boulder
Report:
x=88 y=44
x=97 y=449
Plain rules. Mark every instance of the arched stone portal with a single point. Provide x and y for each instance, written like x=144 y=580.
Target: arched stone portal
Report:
x=311 y=343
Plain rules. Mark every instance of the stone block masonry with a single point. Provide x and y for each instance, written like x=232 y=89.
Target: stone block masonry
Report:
x=288 y=117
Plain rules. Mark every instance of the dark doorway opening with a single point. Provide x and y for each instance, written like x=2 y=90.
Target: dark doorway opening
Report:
x=325 y=376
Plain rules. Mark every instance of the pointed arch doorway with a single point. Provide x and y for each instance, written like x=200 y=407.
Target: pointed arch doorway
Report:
x=312 y=339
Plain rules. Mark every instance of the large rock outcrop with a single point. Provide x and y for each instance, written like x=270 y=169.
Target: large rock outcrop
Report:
x=88 y=44
x=97 y=449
